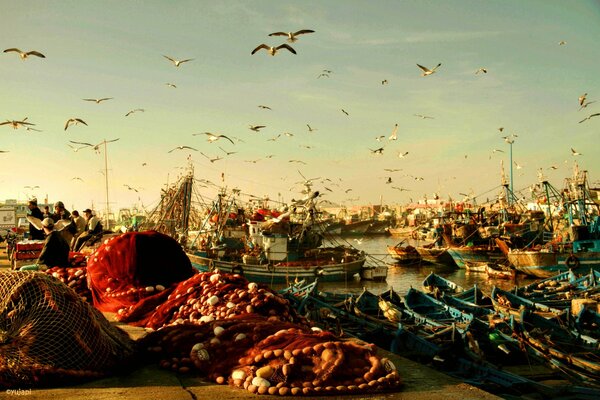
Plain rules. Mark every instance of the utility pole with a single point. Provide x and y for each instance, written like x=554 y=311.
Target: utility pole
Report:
x=97 y=149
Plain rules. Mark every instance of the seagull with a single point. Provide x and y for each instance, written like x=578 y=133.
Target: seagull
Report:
x=311 y=129
x=265 y=107
x=562 y=43
x=144 y=164
x=394 y=135
x=553 y=167
x=25 y=54
x=575 y=152
x=74 y=121
x=377 y=151
x=400 y=189
x=17 y=124
x=345 y=112
x=584 y=105
x=402 y=155
x=177 y=63
x=497 y=150
x=392 y=169
x=358 y=241
x=213 y=137
x=132 y=111
x=130 y=188
x=252 y=161
x=181 y=148
x=589 y=116
x=288 y=134
x=292 y=35
x=274 y=138
x=297 y=161
x=423 y=116
x=31 y=187
x=427 y=71
x=323 y=74
x=171 y=85
x=270 y=156
x=518 y=166
x=378 y=138
x=273 y=50
x=347 y=190
x=481 y=70
x=76 y=178
x=99 y=100
x=257 y=128
x=501 y=129
x=83 y=144
x=385 y=81
x=582 y=99
x=388 y=180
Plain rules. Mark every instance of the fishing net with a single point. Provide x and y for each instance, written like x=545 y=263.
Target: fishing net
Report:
x=75 y=278
x=269 y=357
x=48 y=334
x=211 y=296
x=136 y=270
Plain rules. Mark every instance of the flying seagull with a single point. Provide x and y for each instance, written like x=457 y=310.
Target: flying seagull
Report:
x=297 y=161
x=377 y=151
x=394 y=135
x=427 y=71
x=481 y=70
x=310 y=129
x=292 y=35
x=589 y=116
x=99 y=100
x=130 y=188
x=257 y=128
x=584 y=105
x=575 y=152
x=423 y=116
x=84 y=144
x=76 y=178
x=76 y=149
x=265 y=107
x=345 y=112
x=582 y=99
x=273 y=50
x=213 y=137
x=384 y=82
x=402 y=155
x=74 y=121
x=17 y=124
x=132 y=111
x=227 y=152
x=171 y=85
x=182 y=148
x=25 y=54
x=562 y=43
x=177 y=63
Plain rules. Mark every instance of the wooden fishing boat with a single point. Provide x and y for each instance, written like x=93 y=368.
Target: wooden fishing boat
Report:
x=476 y=267
x=475 y=254
x=564 y=351
x=435 y=283
x=404 y=253
x=510 y=304
x=499 y=271
x=435 y=255
x=429 y=310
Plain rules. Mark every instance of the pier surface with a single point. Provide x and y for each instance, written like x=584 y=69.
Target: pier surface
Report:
x=152 y=382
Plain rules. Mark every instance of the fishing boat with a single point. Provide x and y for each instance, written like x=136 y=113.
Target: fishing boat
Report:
x=434 y=283
x=404 y=253
x=435 y=255
x=510 y=304
x=475 y=254
x=499 y=271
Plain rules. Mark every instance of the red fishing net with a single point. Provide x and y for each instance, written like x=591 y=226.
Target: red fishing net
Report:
x=75 y=278
x=133 y=270
x=48 y=334
x=264 y=356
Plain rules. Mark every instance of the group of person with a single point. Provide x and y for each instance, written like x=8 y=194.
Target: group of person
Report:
x=74 y=232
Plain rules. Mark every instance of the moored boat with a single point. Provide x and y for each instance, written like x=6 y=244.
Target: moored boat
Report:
x=404 y=253
x=435 y=255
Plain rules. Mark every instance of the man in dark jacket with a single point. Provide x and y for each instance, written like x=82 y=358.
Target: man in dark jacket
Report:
x=34 y=233
x=56 y=249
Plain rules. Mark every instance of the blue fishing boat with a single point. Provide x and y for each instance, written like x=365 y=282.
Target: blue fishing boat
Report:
x=510 y=304
x=434 y=283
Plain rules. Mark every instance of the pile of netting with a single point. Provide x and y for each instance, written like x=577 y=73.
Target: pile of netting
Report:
x=75 y=278
x=49 y=335
x=210 y=296
x=136 y=271
x=270 y=357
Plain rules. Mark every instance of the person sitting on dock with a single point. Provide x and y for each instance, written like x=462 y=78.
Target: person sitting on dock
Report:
x=35 y=233
x=80 y=224
x=93 y=228
x=55 y=252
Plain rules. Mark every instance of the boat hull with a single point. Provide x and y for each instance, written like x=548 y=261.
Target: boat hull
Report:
x=548 y=264
x=269 y=273
x=474 y=255
x=436 y=255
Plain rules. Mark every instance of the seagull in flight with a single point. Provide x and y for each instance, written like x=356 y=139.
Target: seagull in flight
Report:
x=377 y=151
x=288 y=134
x=228 y=153
x=562 y=43
x=264 y=107
x=584 y=105
x=257 y=128
x=132 y=111
x=589 y=116
x=394 y=135
x=213 y=137
x=384 y=82
x=74 y=121
x=518 y=166
x=402 y=155
x=345 y=112
x=177 y=63
x=31 y=187
x=98 y=101
x=392 y=169
x=484 y=70
x=291 y=36
x=83 y=144
x=575 y=152
x=76 y=178
x=427 y=71
x=17 y=124
x=297 y=161
x=582 y=99
x=378 y=138
x=273 y=50
x=323 y=74
x=171 y=85
x=130 y=188
x=182 y=148
x=25 y=54
x=400 y=189
x=423 y=116
x=311 y=129
x=497 y=150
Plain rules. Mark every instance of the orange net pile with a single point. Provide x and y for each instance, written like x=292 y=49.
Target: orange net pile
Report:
x=48 y=334
x=75 y=278
x=269 y=357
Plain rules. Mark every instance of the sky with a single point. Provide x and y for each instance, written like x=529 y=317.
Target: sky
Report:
x=97 y=49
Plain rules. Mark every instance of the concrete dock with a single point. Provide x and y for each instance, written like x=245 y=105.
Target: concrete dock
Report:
x=151 y=382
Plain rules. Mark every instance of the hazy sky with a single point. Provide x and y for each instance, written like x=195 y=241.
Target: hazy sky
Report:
x=98 y=49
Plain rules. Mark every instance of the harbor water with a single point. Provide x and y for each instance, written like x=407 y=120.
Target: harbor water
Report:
x=402 y=277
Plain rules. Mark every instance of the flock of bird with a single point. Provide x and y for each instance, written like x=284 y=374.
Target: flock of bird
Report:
x=211 y=137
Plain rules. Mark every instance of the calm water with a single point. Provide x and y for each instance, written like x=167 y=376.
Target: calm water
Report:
x=401 y=277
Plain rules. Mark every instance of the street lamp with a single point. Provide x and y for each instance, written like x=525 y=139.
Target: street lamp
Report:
x=510 y=140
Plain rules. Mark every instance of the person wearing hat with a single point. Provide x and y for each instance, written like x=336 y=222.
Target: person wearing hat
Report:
x=61 y=213
x=34 y=211
x=55 y=252
x=80 y=224
x=93 y=228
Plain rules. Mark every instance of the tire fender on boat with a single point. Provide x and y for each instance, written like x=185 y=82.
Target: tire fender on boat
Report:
x=237 y=270
x=572 y=261
x=319 y=271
